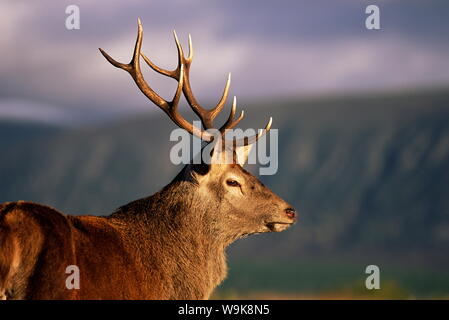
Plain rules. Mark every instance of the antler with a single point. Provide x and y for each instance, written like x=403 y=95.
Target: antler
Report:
x=207 y=116
x=169 y=107
x=181 y=74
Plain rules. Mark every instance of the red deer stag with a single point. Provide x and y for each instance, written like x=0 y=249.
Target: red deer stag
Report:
x=170 y=245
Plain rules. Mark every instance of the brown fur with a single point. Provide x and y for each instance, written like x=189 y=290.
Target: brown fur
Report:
x=168 y=246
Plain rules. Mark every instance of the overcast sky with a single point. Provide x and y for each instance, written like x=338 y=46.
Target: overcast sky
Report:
x=273 y=49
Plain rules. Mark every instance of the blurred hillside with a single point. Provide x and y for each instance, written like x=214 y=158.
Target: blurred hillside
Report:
x=369 y=174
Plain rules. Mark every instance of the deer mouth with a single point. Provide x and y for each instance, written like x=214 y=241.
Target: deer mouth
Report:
x=278 y=226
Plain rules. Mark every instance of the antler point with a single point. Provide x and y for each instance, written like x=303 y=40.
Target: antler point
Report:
x=176 y=36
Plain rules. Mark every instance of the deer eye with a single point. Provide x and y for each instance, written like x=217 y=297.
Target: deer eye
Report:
x=232 y=183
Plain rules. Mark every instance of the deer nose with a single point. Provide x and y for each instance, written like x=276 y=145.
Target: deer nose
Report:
x=291 y=212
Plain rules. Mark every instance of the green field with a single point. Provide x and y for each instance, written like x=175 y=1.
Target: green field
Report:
x=329 y=279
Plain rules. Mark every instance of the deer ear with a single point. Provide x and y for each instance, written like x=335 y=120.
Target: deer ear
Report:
x=242 y=154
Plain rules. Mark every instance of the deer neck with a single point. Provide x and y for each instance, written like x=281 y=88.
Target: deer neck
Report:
x=176 y=225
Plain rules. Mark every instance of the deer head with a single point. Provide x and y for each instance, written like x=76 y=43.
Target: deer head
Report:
x=236 y=202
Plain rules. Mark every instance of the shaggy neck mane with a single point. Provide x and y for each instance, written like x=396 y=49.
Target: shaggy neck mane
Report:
x=174 y=223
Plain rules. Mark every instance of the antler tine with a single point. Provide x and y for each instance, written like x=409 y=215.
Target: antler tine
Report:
x=190 y=57
x=250 y=140
x=169 y=107
x=175 y=74
x=230 y=123
x=206 y=116
x=215 y=111
x=133 y=68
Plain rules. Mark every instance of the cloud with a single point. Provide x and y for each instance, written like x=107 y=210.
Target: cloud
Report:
x=25 y=110
x=287 y=50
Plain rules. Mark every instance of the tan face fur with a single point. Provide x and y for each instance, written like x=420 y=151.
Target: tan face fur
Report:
x=244 y=205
